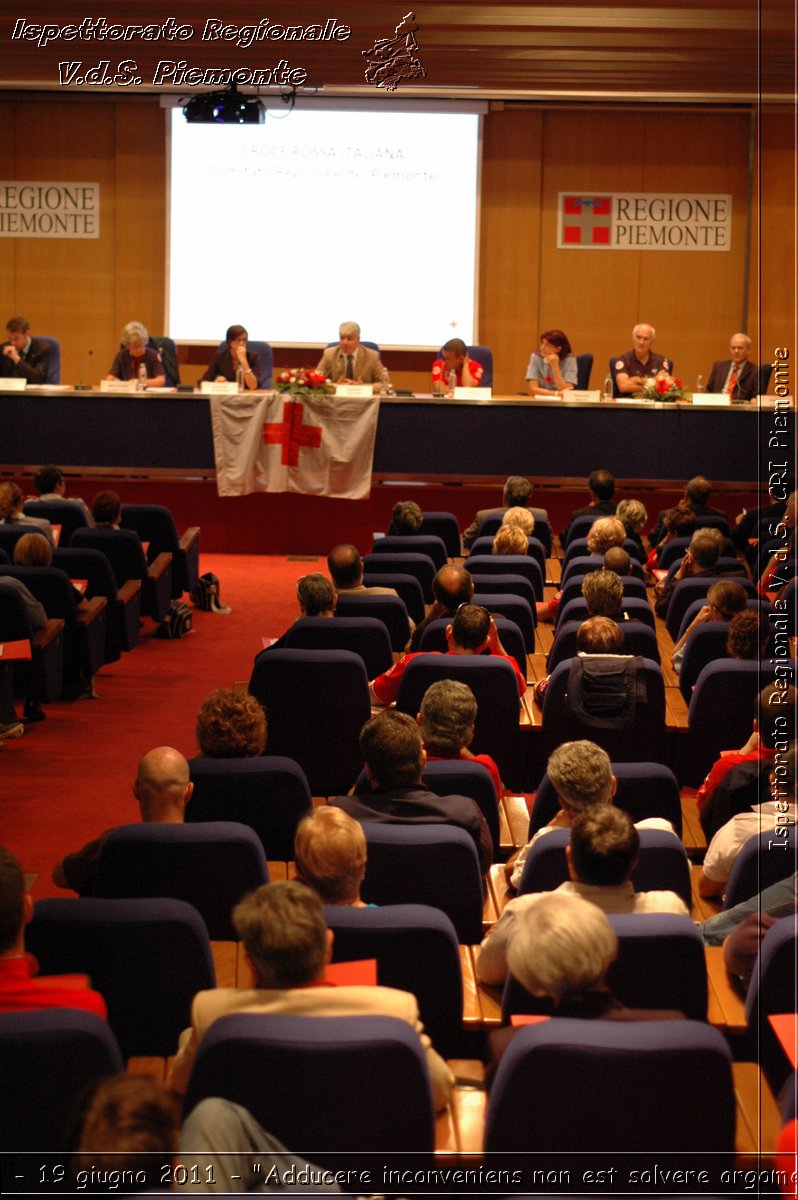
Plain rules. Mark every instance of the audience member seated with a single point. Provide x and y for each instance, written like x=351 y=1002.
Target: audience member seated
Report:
x=350 y=361
x=521 y=517
x=472 y=631
x=595 y=636
x=517 y=493
x=641 y=364
x=11 y=512
x=510 y=539
x=725 y=600
x=778 y=900
x=601 y=855
x=778 y=811
x=288 y=945
x=50 y=483
x=749 y=634
x=23 y=356
x=750 y=521
x=674 y=523
x=697 y=493
x=33 y=710
x=618 y=560
x=454 y=360
x=394 y=755
x=316 y=597
x=128 y=1123
x=633 y=516
x=700 y=562
x=552 y=367
x=563 y=947
x=20 y=989
x=330 y=855
x=582 y=777
x=737 y=376
x=602 y=490
x=231 y=724
x=224 y=366
x=406 y=519
x=106 y=510
x=733 y=782
x=451 y=587
x=772 y=579
x=135 y=354
x=447 y=718
x=162 y=788
x=346 y=570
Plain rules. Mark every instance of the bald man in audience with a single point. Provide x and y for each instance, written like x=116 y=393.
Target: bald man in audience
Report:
x=162 y=788
x=451 y=587
x=346 y=571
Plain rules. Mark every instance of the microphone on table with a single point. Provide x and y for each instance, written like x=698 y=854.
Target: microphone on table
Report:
x=81 y=386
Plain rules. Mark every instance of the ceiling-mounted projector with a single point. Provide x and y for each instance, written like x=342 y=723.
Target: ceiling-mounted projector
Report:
x=224 y=108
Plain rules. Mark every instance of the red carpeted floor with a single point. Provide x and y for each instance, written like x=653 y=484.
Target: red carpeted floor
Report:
x=70 y=776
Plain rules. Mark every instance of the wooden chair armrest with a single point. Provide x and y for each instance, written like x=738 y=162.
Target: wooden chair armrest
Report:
x=517 y=815
x=128 y=590
x=145 y=1065
x=726 y=1003
x=96 y=606
x=758 y=1117
x=703 y=907
x=225 y=962
x=472 y=1014
x=159 y=565
x=188 y=538
x=43 y=637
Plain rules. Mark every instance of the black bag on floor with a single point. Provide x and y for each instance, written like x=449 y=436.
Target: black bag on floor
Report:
x=206 y=594
x=177 y=622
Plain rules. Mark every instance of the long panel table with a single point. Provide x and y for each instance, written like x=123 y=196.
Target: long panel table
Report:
x=416 y=437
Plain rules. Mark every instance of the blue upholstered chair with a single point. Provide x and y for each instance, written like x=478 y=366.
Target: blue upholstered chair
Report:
x=316 y=702
x=123 y=605
x=772 y=991
x=434 y=638
x=66 y=513
x=435 y=865
x=129 y=949
x=124 y=551
x=420 y=565
x=155 y=524
x=763 y=860
x=47 y=1061
x=638 y=638
x=513 y=608
x=480 y=565
x=421 y=543
x=365 y=636
x=390 y=610
x=54 y=365
x=267 y=793
x=210 y=866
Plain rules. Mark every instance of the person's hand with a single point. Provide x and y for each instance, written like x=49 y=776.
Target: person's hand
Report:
x=11 y=352
x=493 y=637
x=740 y=516
x=221 y=379
x=241 y=355
x=683 y=568
x=552 y=358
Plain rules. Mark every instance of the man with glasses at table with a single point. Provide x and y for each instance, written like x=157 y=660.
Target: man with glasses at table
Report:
x=736 y=376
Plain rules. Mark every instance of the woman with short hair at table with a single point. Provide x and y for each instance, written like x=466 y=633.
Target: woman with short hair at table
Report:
x=552 y=367
x=135 y=353
x=229 y=358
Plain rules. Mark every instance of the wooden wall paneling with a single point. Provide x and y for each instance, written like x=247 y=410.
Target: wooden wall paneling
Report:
x=592 y=295
x=8 y=256
x=140 y=202
x=775 y=296
x=510 y=241
x=696 y=298
x=63 y=286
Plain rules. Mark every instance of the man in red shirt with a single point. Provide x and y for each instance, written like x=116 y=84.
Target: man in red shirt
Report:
x=472 y=631
x=20 y=989
x=468 y=372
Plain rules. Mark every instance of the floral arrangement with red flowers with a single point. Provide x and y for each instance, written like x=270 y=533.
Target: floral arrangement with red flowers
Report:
x=303 y=381
x=663 y=387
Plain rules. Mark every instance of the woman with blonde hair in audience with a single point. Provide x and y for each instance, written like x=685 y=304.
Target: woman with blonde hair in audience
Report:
x=510 y=539
x=330 y=856
x=633 y=516
x=524 y=518
x=231 y=724
x=604 y=533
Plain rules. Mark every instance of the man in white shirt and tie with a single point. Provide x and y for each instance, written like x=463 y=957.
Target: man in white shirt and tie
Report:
x=737 y=377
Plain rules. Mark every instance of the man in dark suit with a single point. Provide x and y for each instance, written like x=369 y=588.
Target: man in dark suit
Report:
x=737 y=377
x=517 y=493
x=24 y=357
x=350 y=361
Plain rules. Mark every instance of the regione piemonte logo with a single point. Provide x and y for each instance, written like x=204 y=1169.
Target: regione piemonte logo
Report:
x=585 y=220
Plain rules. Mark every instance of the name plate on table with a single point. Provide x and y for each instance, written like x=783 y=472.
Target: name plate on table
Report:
x=712 y=398
x=13 y=385
x=357 y=391
x=472 y=393
x=590 y=397
x=119 y=385
x=225 y=387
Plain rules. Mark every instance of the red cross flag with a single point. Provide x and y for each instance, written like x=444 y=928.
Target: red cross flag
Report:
x=276 y=442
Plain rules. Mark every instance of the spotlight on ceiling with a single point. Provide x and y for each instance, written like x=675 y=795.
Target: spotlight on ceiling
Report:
x=224 y=108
